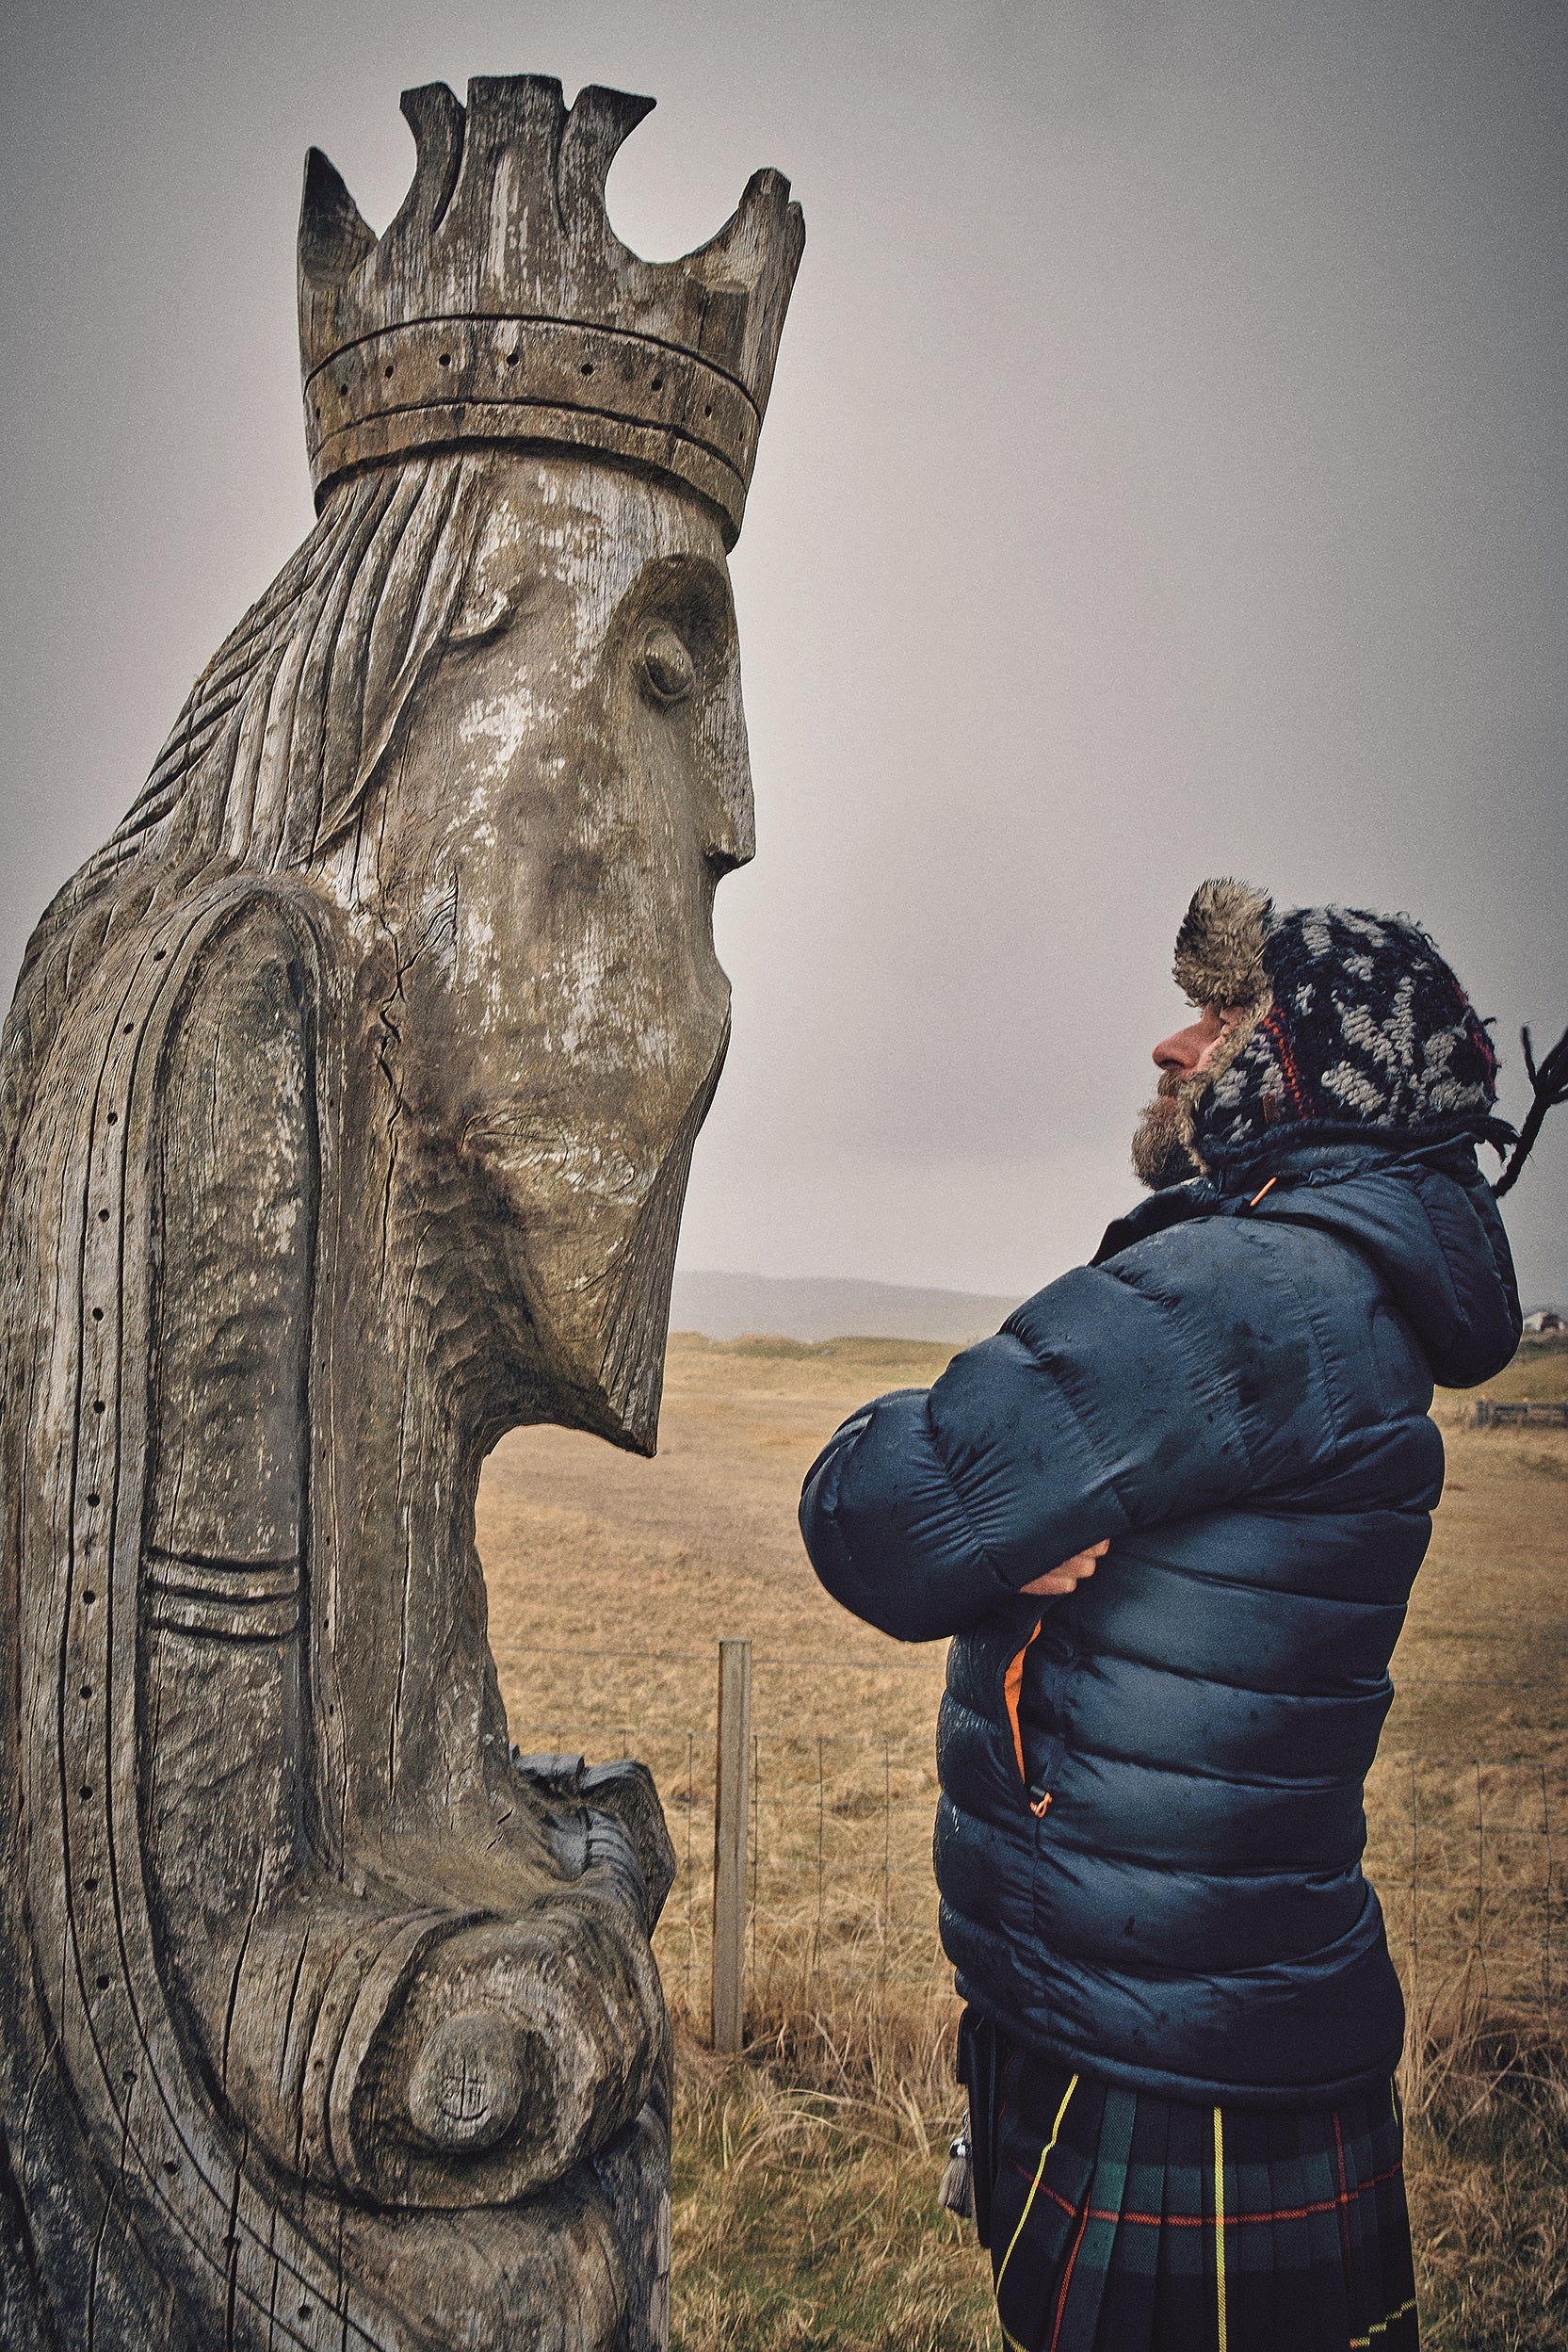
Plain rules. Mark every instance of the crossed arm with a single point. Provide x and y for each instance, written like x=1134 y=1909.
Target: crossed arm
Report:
x=1163 y=1383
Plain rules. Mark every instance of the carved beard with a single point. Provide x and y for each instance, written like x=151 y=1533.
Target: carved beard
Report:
x=1160 y=1155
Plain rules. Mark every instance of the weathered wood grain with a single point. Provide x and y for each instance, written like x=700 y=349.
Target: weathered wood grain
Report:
x=502 y=285
x=348 y=1098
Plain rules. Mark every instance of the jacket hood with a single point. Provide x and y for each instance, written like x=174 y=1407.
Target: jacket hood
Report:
x=1426 y=1218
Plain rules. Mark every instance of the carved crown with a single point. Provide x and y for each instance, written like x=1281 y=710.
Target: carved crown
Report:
x=500 y=305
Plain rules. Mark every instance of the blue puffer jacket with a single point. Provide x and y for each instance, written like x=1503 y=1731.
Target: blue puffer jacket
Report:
x=1150 y=1831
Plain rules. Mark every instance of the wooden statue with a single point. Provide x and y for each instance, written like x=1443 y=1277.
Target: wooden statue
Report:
x=349 y=1098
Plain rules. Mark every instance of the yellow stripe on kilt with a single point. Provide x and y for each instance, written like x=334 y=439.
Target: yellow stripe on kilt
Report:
x=1380 y=2326
x=1220 y=2221
x=1039 y=2176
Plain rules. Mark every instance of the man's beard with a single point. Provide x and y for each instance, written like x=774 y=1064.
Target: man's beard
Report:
x=1159 y=1152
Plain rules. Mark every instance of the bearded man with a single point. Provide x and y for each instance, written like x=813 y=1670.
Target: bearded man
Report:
x=1173 y=1513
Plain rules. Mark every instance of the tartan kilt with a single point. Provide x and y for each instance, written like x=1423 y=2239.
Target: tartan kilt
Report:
x=1121 y=2221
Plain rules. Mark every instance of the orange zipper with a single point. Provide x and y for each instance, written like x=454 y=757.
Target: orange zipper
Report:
x=1013 y=1686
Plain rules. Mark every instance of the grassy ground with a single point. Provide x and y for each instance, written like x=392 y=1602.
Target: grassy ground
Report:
x=806 y=2216
x=805 y=2186
x=806 y=2173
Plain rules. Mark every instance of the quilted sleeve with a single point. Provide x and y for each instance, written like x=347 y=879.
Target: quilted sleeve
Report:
x=1165 y=1383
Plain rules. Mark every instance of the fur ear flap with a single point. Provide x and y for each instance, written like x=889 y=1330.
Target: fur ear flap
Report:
x=1219 y=944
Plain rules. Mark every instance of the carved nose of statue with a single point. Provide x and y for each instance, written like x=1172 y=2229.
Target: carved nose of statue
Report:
x=730 y=824
x=731 y=827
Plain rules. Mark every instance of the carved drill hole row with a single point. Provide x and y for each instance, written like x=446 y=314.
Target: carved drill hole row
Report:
x=94 y=1498
x=91 y=1880
x=90 y=1596
x=504 y=359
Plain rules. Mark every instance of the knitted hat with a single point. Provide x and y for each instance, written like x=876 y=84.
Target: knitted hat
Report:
x=1352 y=1025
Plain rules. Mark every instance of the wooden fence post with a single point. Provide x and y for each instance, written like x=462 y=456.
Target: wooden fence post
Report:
x=731 y=1804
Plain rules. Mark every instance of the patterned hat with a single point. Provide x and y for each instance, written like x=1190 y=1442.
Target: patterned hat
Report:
x=1353 y=1025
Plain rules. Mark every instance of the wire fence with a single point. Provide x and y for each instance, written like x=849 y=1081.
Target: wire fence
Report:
x=1462 y=1848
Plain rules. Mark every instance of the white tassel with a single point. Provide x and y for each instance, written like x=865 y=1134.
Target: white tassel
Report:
x=957 y=2193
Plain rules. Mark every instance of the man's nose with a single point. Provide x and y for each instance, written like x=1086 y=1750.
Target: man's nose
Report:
x=1178 y=1051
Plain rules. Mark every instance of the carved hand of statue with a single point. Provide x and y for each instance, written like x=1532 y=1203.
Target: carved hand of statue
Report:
x=510 y=2052
x=609 y=1813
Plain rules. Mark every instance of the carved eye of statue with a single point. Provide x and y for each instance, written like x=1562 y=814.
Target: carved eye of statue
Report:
x=482 y=613
x=668 y=670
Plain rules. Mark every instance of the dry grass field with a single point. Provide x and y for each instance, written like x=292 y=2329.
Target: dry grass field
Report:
x=806 y=2173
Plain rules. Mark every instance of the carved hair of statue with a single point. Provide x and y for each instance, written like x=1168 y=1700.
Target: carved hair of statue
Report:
x=348 y=1098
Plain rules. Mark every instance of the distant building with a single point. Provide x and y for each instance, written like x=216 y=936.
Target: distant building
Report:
x=1545 y=1318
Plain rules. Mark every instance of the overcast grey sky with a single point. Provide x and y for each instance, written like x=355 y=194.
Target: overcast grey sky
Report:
x=1165 y=475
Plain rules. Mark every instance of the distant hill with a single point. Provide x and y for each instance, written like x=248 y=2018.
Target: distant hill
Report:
x=723 y=1307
